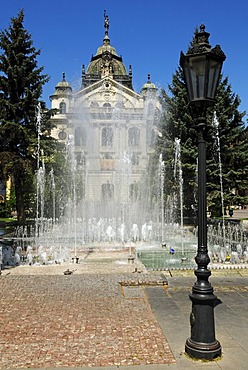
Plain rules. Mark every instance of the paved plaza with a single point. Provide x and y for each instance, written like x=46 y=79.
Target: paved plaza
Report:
x=111 y=314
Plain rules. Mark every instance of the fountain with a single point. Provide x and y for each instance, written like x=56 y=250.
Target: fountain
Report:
x=228 y=242
x=159 y=246
x=90 y=222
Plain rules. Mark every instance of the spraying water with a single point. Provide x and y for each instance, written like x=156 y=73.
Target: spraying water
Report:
x=162 y=179
x=178 y=170
x=40 y=179
x=52 y=185
x=216 y=124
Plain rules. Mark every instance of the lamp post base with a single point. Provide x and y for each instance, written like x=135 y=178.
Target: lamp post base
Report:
x=202 y=345
x=203 y=351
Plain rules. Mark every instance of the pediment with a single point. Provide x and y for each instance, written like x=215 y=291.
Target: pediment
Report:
x=107 y=90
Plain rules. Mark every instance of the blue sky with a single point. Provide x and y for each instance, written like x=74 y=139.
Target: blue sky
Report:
x=149 y=34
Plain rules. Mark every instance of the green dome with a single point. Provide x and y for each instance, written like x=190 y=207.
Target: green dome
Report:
x=106 y=57
x=106 y=63
x=106 y=47
x=149 y=86
x=63 y=84
x=63 y=87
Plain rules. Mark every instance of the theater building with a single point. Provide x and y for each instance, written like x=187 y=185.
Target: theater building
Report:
x=111 y=127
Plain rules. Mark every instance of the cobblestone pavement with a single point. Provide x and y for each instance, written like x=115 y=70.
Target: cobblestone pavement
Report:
x=49 y=319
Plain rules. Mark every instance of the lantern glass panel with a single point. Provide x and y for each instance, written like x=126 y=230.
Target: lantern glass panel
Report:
x=187 y=74
x=198 y=75
x=213 y=78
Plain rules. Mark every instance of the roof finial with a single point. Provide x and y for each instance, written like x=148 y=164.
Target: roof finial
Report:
x=63 y=76
x=202 y=27
x=106 y=22
x=130 y=71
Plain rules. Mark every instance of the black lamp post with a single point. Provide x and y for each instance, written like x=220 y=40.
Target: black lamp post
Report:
x=201 y=67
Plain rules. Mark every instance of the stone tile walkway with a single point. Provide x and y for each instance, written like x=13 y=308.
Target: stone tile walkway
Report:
x=101 y=317
x=49 y=320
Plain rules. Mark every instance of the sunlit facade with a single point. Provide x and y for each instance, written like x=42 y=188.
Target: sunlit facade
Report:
x=112 y=127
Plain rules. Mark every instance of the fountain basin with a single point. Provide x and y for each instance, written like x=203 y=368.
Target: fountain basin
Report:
x=164 y=260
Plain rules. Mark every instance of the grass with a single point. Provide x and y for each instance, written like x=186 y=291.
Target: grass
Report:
x=6 y=220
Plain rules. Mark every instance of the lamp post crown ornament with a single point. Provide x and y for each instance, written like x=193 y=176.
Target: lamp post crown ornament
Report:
x=201 y=44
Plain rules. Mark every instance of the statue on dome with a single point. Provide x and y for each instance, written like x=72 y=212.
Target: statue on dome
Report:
x=106 y=66
x=106 y=22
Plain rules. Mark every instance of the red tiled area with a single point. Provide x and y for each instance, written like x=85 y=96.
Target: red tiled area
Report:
x=76 y=320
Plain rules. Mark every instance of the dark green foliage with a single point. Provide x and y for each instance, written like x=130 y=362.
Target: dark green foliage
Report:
x=178 y=123
x=233 y=140
x=21 y=79
x=57 y=183
x=21 y=82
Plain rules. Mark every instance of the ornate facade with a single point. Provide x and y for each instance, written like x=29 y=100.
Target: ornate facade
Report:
x=113 y=127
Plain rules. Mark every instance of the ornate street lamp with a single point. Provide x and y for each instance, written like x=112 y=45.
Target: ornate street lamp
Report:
x=202 y=67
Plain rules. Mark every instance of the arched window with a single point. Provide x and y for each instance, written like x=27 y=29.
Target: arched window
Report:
x=133 y=136
x=134 y=191
x=107 y=136
x=107 y=191
x=150 y=108
x=81 y=160
x=107 y=105
x=135 y=159
x=62 y=108
x=80 y=136
x=151 y=138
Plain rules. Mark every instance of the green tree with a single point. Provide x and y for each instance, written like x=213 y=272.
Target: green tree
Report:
x=178 y=123
x=57 y=183
x=21 y=82
x=229 y=148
